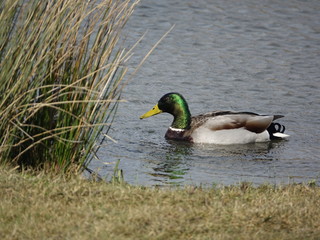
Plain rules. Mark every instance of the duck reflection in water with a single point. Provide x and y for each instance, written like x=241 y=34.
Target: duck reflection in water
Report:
x=174 y=166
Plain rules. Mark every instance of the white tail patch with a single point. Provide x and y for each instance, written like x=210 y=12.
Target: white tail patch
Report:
x=281 y=135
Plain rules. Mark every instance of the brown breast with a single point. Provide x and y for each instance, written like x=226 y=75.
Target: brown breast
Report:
x=178 y=135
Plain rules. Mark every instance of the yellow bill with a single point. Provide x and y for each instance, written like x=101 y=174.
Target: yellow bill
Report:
x=155 y=110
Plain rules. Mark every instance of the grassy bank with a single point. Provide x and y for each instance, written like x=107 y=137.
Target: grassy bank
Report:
x=42 y=207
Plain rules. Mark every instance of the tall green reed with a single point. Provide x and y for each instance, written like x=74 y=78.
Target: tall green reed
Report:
x=61 y=68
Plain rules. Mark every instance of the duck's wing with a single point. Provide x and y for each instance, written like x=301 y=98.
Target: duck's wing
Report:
x=223 y=120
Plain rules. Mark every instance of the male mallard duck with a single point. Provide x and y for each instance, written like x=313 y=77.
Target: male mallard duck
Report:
x=219 y=127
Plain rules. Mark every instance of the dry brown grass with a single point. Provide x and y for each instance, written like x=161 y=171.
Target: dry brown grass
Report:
x=43 y=207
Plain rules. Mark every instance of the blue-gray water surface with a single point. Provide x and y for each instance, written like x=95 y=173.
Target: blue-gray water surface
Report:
x=251 y=55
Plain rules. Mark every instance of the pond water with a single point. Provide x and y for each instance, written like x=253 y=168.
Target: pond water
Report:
x=259 y=56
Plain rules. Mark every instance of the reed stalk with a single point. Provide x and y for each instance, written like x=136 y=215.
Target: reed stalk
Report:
x=61 y=68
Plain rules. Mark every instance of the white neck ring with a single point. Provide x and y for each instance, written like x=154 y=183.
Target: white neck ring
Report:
x=176 y=129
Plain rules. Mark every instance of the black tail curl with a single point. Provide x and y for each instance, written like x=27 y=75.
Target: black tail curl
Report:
x=275 y=128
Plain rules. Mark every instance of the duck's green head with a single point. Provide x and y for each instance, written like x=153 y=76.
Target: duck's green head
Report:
x=175 y=104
